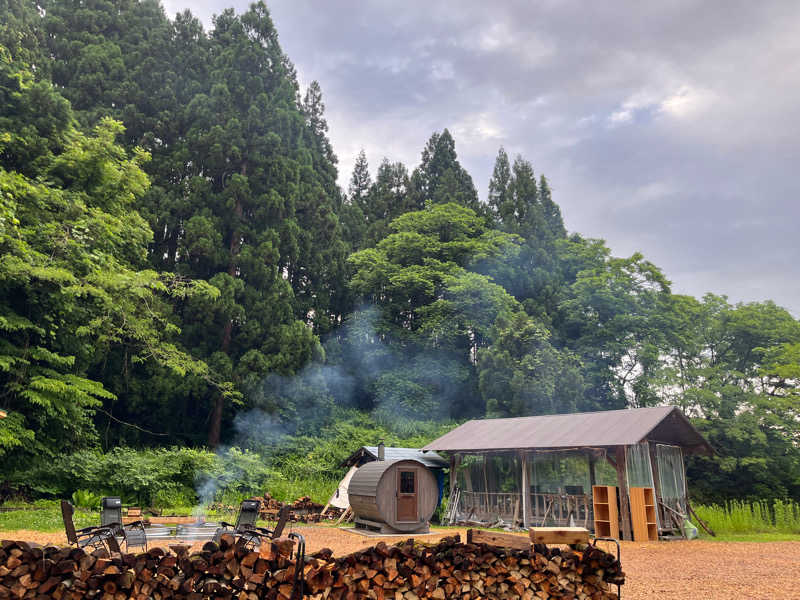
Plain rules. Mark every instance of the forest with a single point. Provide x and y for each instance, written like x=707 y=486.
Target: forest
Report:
x=185 y=288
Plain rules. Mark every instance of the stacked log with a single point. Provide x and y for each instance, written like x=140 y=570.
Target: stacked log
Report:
x=408 y=571
x=302 y=510
x=450 y=569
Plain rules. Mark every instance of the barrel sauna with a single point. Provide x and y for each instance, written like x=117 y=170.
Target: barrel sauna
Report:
x=393 y=496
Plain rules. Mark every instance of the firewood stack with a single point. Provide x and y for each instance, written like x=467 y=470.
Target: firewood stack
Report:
x=303 y=510
x=448 y=569
x=451 y=569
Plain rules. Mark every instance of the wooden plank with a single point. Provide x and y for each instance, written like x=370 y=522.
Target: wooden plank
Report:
x=502 y=540
x=559 y=535
x=638 y=521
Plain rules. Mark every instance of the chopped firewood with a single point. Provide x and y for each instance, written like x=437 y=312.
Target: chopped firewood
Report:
x=488 y=566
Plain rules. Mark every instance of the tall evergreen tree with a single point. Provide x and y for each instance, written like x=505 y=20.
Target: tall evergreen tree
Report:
x=440 y=178
x=244 y=190
x=551 y=211
x=499 y=187
x=360 y=182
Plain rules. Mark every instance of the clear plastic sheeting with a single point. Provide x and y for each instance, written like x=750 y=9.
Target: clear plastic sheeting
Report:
x=559 y=472
x=489 y=473
x=671 y=475
x=640 y=471
x=488 y=489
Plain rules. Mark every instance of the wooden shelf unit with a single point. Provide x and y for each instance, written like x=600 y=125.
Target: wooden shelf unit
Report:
x=643 y=514
x=606 y=515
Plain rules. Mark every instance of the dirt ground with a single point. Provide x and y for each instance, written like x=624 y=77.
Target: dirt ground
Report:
x=696 y=570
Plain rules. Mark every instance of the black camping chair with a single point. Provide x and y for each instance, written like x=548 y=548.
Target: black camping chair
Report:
x=245 y=529
x=97 y=538
x=133 y=534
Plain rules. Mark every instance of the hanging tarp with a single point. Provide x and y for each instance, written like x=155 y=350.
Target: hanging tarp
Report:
x=672 y=476
x=639 y=469
x=339 y=498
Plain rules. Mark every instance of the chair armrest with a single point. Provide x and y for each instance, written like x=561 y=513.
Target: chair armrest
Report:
x=89 y=529
x=135 y=524
x=224 y=524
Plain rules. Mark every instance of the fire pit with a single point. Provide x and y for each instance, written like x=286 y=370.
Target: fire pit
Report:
x=199 y=530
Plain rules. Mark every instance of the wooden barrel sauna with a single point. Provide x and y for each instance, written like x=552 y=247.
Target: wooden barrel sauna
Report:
x=393 y=496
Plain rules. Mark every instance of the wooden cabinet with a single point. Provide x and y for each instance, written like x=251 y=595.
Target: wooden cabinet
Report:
x=643 y=514
x=606 y=516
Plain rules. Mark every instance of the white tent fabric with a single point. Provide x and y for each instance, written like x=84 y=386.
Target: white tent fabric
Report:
x=339 y=498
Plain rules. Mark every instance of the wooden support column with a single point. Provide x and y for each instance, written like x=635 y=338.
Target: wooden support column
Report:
x=526 y=491
x=622 y=485
x=452 y=474
x=662 y=521
x=592 y=472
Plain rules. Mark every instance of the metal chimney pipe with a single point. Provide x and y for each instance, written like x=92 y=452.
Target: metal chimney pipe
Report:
x=381 y=451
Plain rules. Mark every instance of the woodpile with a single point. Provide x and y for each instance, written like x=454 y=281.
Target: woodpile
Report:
x=451 y=569
x=408 y=571
x=303 y=510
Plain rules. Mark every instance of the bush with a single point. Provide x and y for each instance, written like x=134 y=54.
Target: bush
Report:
x=146 y=477
x=286 y=466
x=85 y=499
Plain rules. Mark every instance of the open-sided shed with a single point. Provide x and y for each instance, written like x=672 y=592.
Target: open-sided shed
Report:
x=552 y=468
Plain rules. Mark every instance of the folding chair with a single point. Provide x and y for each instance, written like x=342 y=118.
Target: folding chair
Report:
x=133 y=534
x=98 y=538
x=245 y=530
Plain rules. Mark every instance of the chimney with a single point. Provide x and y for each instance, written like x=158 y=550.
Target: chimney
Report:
x=381 y=451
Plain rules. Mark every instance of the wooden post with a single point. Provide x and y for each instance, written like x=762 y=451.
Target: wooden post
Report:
x=592 y=472
x=622 y=485
x=452 y=474
x=656 y=484
x=526 y=491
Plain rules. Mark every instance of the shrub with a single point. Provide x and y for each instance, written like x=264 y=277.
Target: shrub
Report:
x=85 y=499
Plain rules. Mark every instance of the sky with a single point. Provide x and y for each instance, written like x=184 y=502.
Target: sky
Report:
x=669 y=128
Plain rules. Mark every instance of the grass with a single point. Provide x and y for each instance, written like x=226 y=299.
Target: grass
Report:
x=45 y=517
x=319 y=489
x=751 y=537
x=749 y=519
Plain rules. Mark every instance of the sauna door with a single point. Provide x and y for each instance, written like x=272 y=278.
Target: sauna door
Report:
x=407 y=495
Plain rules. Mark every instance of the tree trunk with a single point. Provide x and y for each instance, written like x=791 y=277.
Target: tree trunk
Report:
x=215 y=427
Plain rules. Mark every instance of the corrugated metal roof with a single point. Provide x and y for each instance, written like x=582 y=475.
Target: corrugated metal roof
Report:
x=665 y=424
x=429 y=459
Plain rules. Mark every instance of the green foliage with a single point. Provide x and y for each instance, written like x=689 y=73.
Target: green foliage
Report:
x=70 y=286
x=86 y=499
x=738 y=517
x=521 y=373
x=145 y=477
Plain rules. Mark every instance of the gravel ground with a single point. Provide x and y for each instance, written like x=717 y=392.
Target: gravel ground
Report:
x=696 y=570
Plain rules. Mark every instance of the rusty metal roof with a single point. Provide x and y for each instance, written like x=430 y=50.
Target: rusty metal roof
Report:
x=666 y=424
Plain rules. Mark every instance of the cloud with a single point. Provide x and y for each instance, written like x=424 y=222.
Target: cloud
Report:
x=609 y=100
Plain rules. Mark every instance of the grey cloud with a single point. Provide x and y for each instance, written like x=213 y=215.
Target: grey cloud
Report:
x=669 y=128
